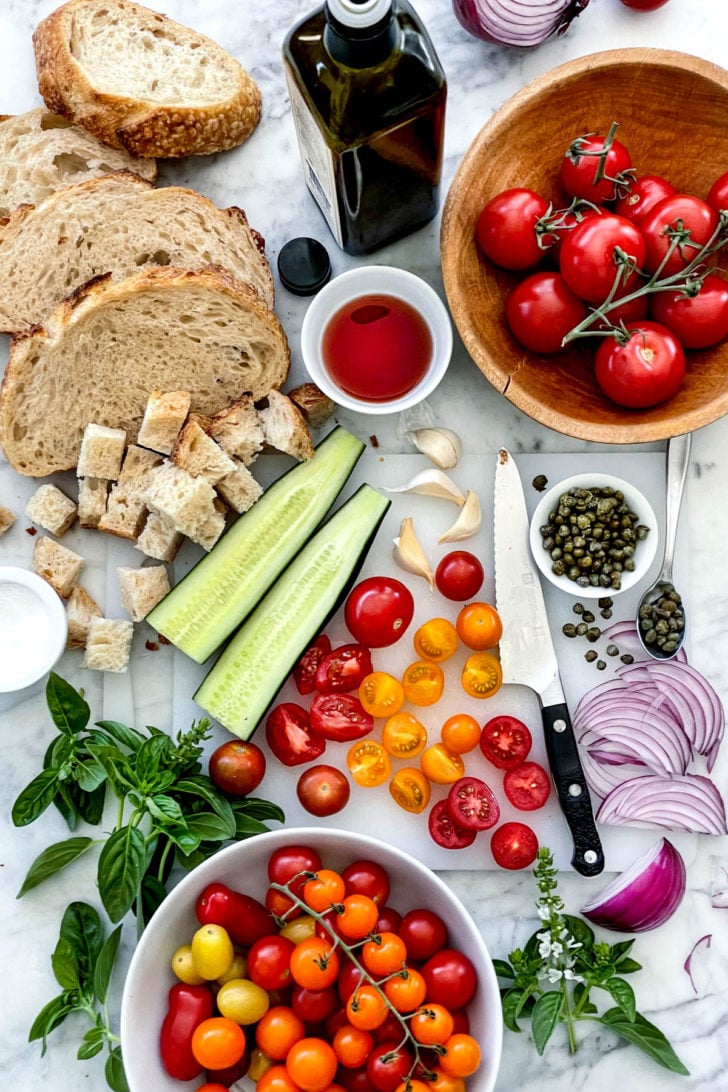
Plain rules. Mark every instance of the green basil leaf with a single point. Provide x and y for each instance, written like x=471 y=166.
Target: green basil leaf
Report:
x=130 y=738
x=512 y=1002
x=68 y=708
x=114 y=1072
x=151 y=759
x=65 y=965
x=118 y=768
x=628 y=966
x=89 y=774
x=81 y=928
x=64 y=802
x=259 y=809
x=620 y=950
x=49 y=1018
x=621 y=992
x=211 y=827
x=121 y=867
x=153 y=894
x=580 y=931
x=530 y=948
x=91 y=1044
x=35 y=798
x=585 y=1007
x=544 y=1018
x=202 y=787
x=52 y=860
x=246 y=826
x=503 y=969
x=105 y=964
x=164 y=809
x=89 y=805
x=641 y=1033
x=59 y=751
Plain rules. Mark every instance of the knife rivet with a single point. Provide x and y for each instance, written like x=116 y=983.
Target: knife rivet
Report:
x=575 y=790
x=559 y=725
x=590 y=856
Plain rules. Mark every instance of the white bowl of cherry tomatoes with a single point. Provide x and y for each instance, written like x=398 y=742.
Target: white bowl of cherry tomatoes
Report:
x=579 y=246
x=220 y=989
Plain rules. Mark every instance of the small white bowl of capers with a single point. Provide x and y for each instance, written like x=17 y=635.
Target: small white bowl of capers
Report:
x=594 y=535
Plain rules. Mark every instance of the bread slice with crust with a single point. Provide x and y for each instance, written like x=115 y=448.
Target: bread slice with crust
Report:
x=118 y=224
x=107 y=347
x=140 y=81
x=41 y=152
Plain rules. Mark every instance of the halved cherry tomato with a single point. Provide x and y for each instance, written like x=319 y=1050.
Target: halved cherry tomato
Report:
x=381 y=694
x=423 y=683
x=343 y=669
x=479 y=626
x=481 y=675
x=404 y=736
x=472 y=804
x=527 y=786
x=323 y=790
x=410 y=789
x=368 y=763
x=340 y=717
x=445 y=831
x=290 y=736
x=514 y=845
x=304 y=673
x=378 y=611
x=460 y=733
x=436 y=640
x=505 y=741
x=440 y=765
x=459 y=575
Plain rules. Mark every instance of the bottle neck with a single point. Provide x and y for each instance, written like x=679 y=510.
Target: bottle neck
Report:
x=359 y=46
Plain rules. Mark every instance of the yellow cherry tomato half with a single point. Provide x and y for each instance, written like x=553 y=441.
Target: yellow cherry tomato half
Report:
x=441 y=766
x=410 y=789
x=460 y=733
x=381 y=694
x=482 y=675
x=404 y=736
x=479 y=626
x=436 y=640
x=423 y=682
x=368 y=763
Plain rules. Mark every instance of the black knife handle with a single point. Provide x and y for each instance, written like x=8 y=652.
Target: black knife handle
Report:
x=572 y=789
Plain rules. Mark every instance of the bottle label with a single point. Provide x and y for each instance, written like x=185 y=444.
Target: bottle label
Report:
x=317 y=159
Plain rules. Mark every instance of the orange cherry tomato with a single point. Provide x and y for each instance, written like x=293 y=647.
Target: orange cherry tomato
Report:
x=410 y=789
x=314 y=964
x=311 y=1064
x=443 y=1082
x=358 y=916
x=381 y=694
x=478 y=625
x=423 y=682
x=432 y=1024
x=366 y=1008
x=352 y=1046
x=385 y=955
x=276 y=1079
x=218 y=1042
x=326 y=888
x=436 y=640
x=462 y=1055
x=368 y=763
x=413 y=1084
x=482 y=675
x=404 y=736
x=213 y=1086
x=406 y=991
x=460 y=733
x=277 y=1031
x=441 y=766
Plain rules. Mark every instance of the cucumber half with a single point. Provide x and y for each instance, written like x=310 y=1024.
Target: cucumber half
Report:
x=211 y=601
x=254 y=666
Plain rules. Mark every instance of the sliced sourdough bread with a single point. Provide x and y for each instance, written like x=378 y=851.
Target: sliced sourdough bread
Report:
x=118 y=224
x=41 y=152
x=140 y=81
x=107 y=347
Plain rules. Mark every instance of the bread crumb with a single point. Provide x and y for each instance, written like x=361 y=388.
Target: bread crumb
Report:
x=7 y=519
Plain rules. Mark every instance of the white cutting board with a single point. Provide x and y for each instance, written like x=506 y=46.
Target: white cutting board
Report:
x=372 y=811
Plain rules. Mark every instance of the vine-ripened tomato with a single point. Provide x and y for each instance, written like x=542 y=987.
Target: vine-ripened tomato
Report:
x=343 y=669
x=436 y=640
x=440 y=765
x=514 y=845
x=368 y=763
x=410 y=789
x=432 y=1024
x=423 y=682
x=363 y=877
x=323 y=890
x=304 y=673
x=541 y=310
x=357 y=916
x=365 y=1008
x=506 y=228
x=385 y=955
x=290 y=736
x=407 y=991
x=378 y=611
x=237 y=767
x=588 y=258
x=388 y=1065
x=479 y=626
x=696 y=321
x=444 y=831
x=381 y=694
x=314 y=964
x=644 y=194
x=718 y=194
x=404 y=736
x=451 y=978
x=423 y=932
x=323 y=790
x=505 y=741
x=462 y=1055
x=596 y=168
x=482 y=675
x=459 y=575
x=269 y=962
x=289 y=864
x=472 y=804
x=527 y=787
x=680 y=211
x=645 y=370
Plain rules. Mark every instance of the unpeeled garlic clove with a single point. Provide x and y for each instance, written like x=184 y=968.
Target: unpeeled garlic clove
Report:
x=442 y=445
x=409 y=555
x=468 y=522
x=432 y=483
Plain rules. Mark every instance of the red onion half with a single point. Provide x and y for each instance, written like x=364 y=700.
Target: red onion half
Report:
x=520 y=23
x=644 y=896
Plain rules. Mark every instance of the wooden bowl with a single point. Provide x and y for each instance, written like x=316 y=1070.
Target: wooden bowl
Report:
x=672 y=110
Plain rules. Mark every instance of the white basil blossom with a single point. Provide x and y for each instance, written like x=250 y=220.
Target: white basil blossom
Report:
x=520 y=23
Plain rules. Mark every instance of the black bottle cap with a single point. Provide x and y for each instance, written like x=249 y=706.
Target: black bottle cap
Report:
x=304 y=266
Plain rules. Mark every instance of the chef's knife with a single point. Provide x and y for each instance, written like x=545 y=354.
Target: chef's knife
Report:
x=528 y=658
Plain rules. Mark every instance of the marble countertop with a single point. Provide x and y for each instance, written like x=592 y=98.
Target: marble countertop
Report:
x=264 y=178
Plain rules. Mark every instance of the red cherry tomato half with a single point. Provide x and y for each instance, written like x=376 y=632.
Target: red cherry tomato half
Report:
x=541 y=310
x=696 y=321
x=444 y=831
x=237 y=767
x=506 y=228
x=681 y=211
x=505 y=741
x=472 y=804
x=304 y=673
x=340 y=717
x=450 y=977
x=514 y=845
x=343 y=669
x=644 y=194
x=596 y=168
x=459 y=575
x=378 y=611
x=527 y=786
x=323 y=790
x=647 y=369
x=290 y=736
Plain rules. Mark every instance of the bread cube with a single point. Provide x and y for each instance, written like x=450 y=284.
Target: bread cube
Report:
x=108 y=644
x=160 y=538
x=199 y=455
x=315 y=406
x=102 y=450
x=51 y=509
x=142 y=589
x=238 y=430
x=213 y=527
x=126 y=508
x=56 y=564
x=188 y=502
x=80 y=609
x=285 y=428
x=7 y=519
x=163 y=418
x=239 y=489
x=92 y=494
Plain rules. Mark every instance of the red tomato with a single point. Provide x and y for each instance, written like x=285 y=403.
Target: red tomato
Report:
x=343 y=669
x=243 y=917
x=340 y=717
x=459 y=575
x=237 y=767
x=666 y=221
x=314 y=1006
x=367 y=878
x=389 y=920
x=388 y=1066
x=444 y=831
x=507 y=231
x=323 y=790
x=514 y=845
x=647 y=369
x=527 y=786
x=290 y=735
x=696 y=321
x=588 y=256
x=188 y=1007
x=288 y=864
x=269 y=962
x=644 y=5
x=596 y=168
x=472 y=804
x=644 y=194
x=505 y=741
x=718 y=195
x=567 y=223
x=424 y=933
x=378 y=611
x=451 y=978
x=541 y=310
x=617 y=313
x=304 y=673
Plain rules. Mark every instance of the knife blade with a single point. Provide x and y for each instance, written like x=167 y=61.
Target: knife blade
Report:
x=528 y=658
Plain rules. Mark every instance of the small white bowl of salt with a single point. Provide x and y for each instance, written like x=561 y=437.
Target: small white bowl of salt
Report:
x=33 y=628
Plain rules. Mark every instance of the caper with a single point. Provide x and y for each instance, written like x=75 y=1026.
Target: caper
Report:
x=600 y=665
x=569 y=629
x=578 y=608
x=606 y=612
x=587 y=616
x=581 y=629
x=627 y=658
x=590 y=656
x=540 y=482
x=612 y=650
x=593 y=633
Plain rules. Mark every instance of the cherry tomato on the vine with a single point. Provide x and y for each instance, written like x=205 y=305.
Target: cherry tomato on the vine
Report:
x=365 y=1008
x=368 y=763
x=528 y=786
x=645 y=370
x=381 y=694
x=589 y=258
x=440 y=765
x=343 y=669
x=436 y=640
x=505 y=741
x=462 y=1055
x=410 y=789
x=385 y=955
x=340 y=717
x=237 y=767
x=472 y=804
x=304 y=673
x=423 y=682
x=357 y=916
x=323 y=790
x=644 y=194
x=479 y=626
x=323 y=890
x=541 y=310
x=506 y=228
x=388 y=1064
x=406 y=991
x=290 y=736
x=514 y=845
x=696 y=321
x=596 y=168
x=432 y=1024
x=378 y=611
x=718 y=194
x=681 y=216
x=459 y=575
x=482 y=675
x=314 y=964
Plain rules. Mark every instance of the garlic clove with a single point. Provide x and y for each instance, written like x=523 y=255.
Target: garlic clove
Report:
x=468 y=522
x=442 y=445
x=432 y=483
x=409 y=555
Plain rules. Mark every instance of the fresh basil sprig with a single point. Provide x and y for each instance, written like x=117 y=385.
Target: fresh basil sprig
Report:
x=550 y=979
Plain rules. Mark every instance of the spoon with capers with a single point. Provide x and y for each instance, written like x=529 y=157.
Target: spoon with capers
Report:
x=661 y=621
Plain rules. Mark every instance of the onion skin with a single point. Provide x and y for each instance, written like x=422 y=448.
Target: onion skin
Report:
x=502 y=23
x=654 y=889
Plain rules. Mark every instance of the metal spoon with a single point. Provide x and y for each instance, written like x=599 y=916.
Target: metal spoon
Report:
x=662 y=602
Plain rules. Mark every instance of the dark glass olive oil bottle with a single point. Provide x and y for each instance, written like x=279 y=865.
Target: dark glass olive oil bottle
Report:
x=368 y=101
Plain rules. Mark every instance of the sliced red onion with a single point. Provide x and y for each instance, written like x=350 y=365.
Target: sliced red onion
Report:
x=513 y=23
x=719 y=884
x=687 y=802
x=625 y=635
x=688 y=964
x=644 y=896
x=677 y=679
